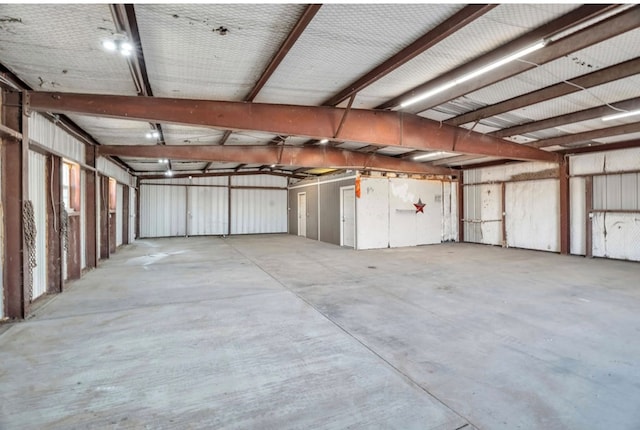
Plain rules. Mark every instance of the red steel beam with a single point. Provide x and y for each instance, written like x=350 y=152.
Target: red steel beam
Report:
x=571 y=139
x=318 y=122
x=280 y=155
x=570 y=118
x=602 y=147
x=304 y=20
x=602 y=76
x=572 y=43
x=462 y=18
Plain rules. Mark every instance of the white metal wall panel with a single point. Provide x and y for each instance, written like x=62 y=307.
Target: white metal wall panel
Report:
x=49 y=135
x=83 y=219
x=532 y=214
x=507 y=172
x=163 y=211
x=372 y=214
x=1 y=250
x=208 y=211
x=112 y=170
x=119 y=208
x=617 y=192
x=483 y=214
x=258 y=211
x=578 y=216
x=449 y=211
x=132 y=214
x=616 y=235
x=259 y=181
x=97 y=212
x=38 y=195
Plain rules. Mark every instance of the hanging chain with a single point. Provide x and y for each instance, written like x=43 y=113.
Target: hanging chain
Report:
x=64 y=227
x=29 y=223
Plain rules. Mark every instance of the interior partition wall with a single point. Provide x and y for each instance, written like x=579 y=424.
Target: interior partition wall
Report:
x=215 y=205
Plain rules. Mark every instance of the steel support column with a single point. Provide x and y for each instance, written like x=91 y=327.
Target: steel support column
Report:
x=15 y=191
x=565 y=202
x=90 y=203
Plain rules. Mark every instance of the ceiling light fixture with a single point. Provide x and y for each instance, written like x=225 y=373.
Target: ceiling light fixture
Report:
x=119 y=43
x=163 y=161
x=475 y=73
x=273 y=165
x=324 y=141
x=430 y=155
x=621 y=115
x=168 y=173
x=155 y=134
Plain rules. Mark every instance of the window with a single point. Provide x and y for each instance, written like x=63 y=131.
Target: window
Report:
x=71 y=186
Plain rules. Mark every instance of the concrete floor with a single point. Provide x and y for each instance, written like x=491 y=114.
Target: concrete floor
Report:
x=280 y=332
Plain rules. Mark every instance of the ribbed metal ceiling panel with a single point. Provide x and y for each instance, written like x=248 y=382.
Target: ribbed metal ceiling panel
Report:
x=57 y=48
x=342 y=42
x=111 y=131
x=588 y=60
x=211 y=51
x=488 y=32
x=184 y=135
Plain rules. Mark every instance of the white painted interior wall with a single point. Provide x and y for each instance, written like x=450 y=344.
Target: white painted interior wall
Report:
x=119 y=208
x=616 y=187
x=386 y=215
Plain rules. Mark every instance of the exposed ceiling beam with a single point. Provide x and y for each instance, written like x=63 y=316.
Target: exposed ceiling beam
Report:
x=304 y=20
x=572 y=43
x=599 y=147
x=367 y=126
x=453 y=160
x=462 y=18
x=570 y=118
x=227 y=173
x=608 y=74
x=572 y=139
x=279 y=155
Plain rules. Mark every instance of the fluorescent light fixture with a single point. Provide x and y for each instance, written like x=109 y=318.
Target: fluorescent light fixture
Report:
x=474 y=74
x=621 y=115
x=324 y=141
x=430 y=155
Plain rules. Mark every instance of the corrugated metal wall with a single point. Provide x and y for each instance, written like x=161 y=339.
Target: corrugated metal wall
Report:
x=38 y=196
x=208 y=211
x=83 y=219
x=119 y=209
x=108 y=168
x=47 y=134
x=483 y=214
x=1 y=247
x=202 y=206
x=163 y=211
x=258 y=211
x=132 y=214
x=616 y=227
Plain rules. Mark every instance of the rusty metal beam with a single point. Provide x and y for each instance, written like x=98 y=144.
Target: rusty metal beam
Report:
x=570 y=118
x=608 y=74
x=217 y=174
x=599 y=147
x=304 y=20
x=572 y=43
x=434 y=36
x=571 y=139
x=367 y=126
x=280 y=155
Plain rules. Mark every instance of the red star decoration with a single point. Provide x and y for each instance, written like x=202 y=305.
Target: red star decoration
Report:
x=419 y=206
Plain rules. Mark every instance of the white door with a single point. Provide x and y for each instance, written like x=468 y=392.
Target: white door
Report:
x=347 y=216
x=302 y=214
